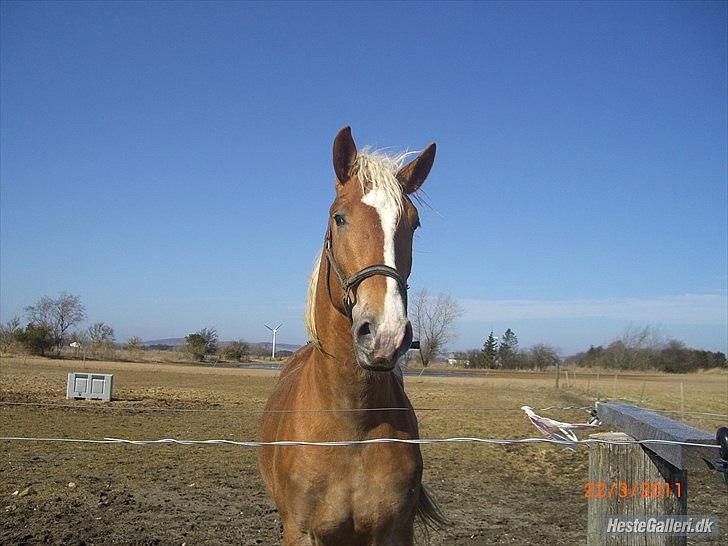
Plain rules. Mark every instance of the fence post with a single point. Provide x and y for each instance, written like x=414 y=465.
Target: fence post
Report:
x=636 y=474
x=635 y=480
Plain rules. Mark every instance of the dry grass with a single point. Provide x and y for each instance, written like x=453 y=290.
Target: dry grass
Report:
x=494 y=495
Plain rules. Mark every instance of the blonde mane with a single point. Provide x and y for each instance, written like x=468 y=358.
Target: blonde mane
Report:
x=376 y=171
x=309 y=315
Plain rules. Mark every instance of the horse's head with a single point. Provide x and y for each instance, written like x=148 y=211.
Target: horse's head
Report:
x=368 y=249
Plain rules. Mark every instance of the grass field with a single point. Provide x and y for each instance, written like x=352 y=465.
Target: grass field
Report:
x=213 y=494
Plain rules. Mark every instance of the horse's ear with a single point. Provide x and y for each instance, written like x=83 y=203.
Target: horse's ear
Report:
x=412 y=175
x=344 y=154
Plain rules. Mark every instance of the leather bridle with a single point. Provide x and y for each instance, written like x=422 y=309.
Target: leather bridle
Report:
x=348 y=285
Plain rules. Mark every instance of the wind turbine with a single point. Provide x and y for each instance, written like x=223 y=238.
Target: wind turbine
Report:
x=274 y=330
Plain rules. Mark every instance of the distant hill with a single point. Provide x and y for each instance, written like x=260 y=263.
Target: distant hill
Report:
x=179 y=341
x=172 y=341
x=279 y=346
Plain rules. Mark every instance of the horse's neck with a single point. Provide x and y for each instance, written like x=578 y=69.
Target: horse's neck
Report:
x=344 y=385
x=336 y=374
x=333 y=328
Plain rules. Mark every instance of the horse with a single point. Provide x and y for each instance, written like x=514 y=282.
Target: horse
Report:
x=331 y=389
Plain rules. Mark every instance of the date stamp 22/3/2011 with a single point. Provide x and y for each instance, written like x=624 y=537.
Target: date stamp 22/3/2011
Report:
x=628 y=490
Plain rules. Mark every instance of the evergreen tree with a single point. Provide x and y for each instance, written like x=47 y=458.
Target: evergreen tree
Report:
x=490 y=352
x=508 y=350
x=35 y=339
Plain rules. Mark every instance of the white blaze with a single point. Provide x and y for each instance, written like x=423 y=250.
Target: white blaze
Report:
x=391 y=328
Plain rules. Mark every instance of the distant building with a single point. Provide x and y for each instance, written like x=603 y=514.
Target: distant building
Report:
x=460 y=362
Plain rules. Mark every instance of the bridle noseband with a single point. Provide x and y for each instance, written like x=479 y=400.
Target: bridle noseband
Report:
x=350 y=284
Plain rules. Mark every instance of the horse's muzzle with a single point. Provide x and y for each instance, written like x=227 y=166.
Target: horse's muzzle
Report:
x=378 y=347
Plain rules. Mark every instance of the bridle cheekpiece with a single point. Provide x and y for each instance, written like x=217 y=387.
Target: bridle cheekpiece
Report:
x=349 y=285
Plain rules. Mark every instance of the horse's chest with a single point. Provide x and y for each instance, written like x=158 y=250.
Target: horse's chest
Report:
x=372 y=490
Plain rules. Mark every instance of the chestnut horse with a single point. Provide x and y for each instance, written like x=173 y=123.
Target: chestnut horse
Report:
x=357 y=320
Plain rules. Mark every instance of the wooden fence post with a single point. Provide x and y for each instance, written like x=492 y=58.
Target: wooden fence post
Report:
x=629 y=481
x=557 y=375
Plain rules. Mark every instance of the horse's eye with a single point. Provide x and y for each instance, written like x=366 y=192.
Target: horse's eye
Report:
x=339 y=219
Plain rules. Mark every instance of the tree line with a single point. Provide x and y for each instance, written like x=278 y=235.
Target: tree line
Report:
x=636 y=349
x=49 y=329
x=645 y=349
x=205 y=342
x=50 y=322
x=504 y=353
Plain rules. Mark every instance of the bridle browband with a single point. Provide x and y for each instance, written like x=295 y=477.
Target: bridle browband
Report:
x=348 y=285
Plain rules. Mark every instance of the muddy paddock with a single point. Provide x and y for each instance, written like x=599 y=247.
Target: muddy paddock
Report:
x=105 y=494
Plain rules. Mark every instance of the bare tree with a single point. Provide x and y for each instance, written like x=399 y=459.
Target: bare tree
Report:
x=432 y=322
x=101 y=336
x=100 y=332
x=8 y=332
x=643 y=338
x=58 y=315
x=42 y=312
x=636 y=348
x=80 y=336
x=542 y=356
x=134 y=346
x=68 y=311
x=78 y=341
x=134 y=343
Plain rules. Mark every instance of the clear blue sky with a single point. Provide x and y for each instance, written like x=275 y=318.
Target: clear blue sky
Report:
x=171 y=162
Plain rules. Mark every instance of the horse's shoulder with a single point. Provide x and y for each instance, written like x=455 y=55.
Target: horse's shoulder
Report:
x=302 y=354
x=290 y=376
x=297 y=360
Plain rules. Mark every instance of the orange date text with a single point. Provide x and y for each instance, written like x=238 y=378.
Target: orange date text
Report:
x=628 y=490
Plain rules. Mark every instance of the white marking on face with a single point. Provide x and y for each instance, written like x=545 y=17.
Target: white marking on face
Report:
x=391 y=329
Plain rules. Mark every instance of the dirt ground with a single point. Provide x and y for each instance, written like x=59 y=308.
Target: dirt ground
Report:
x=105 y=494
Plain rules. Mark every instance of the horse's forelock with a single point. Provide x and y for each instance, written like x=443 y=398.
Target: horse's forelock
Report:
x=377 y=171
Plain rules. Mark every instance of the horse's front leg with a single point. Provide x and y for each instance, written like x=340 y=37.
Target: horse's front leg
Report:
x=293 y=536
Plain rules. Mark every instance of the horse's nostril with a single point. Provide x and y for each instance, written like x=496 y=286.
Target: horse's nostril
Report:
x=364 y=330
